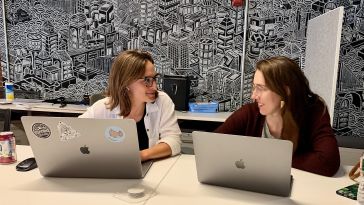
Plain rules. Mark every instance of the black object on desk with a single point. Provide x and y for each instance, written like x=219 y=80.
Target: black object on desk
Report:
x=178 y=89
x=63 y=102
x=27 y=165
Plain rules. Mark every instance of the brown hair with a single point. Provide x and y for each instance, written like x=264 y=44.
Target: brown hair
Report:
x=127 y=67
x=283 y=76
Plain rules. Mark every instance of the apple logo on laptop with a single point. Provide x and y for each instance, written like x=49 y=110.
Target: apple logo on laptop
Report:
x=240 y=164
x=84 y=150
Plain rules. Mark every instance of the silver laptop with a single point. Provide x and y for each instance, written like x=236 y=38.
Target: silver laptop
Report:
x=85 y=148
x=248 y=163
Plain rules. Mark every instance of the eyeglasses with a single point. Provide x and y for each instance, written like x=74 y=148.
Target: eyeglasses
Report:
x=148 y=81
x=259 y=89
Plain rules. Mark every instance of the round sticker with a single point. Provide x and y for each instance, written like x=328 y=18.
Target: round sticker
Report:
x=114 y=134
x=41 y=130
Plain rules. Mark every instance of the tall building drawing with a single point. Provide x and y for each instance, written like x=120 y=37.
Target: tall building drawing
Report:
x=178 y=50
x=49 y=38
x=77 y=31
x=206 y=54
x=225 y=38
x=148 y=11
x=167 y=7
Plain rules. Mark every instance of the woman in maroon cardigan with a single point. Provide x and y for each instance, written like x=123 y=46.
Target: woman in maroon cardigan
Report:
x=285 y=108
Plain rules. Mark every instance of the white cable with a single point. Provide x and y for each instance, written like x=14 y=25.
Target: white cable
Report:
x=141 y=194
x=6 y=42
x=164 y=176
x=244 y=51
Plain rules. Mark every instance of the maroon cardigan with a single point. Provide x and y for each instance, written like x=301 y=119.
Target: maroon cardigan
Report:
x=317 y=149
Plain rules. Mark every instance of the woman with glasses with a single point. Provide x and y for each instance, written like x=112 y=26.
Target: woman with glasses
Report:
x=285 y=108
x=132 y=94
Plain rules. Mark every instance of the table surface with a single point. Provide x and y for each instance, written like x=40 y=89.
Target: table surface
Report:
x=182 y=187
x=32 y=188
x=174 y=180
x=44 y=107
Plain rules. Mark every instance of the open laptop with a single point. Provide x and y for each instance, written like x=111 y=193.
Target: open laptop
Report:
x=248 y=163
x=85 y=148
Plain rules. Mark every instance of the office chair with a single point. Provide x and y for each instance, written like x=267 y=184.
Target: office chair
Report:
x=10 y=119
x=5 y=115
x=95 y=97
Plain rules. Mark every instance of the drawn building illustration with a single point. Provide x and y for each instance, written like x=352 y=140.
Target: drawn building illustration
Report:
x=66 y=47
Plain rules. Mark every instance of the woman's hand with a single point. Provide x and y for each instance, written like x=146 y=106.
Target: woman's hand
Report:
x=144 y=155
x=157 y=151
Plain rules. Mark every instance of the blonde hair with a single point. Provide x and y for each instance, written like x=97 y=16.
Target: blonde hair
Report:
x=127 y=67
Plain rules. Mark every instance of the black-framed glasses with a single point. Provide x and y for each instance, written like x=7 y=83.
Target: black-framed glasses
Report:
x=148 y=81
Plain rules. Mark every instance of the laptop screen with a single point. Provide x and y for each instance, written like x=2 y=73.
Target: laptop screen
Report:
x=82 y=147
x=248 y=163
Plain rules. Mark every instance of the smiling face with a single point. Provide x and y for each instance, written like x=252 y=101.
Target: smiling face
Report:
x=142 y=91
x=269 y=102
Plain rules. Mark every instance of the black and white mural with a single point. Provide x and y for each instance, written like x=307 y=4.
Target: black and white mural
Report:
x=65 y=47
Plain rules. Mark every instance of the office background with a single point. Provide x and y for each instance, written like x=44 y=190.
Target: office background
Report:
x=65 y=48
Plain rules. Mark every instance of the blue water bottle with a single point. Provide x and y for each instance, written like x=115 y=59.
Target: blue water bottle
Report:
x=9 y=91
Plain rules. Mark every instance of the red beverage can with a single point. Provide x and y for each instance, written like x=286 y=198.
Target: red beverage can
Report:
x=7 y=148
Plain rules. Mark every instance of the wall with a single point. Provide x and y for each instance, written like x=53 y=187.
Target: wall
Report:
x=65 y=48
x=279 y=28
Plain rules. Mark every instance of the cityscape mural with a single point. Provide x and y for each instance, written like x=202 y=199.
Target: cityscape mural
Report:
x=65 y=47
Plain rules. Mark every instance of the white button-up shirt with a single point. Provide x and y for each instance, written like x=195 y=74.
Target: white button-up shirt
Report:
x=160 y=120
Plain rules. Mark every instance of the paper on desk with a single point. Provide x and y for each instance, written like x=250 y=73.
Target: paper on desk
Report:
x=67 y=107
x=22 y=100
x=4 y=102
x=24 y=105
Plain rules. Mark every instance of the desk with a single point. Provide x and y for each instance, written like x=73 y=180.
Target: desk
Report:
x=38 y=107
x=181 y=187
x=211 y=117
x=20 y=188
x=45 y=107
x=79 y=109
x=178 y=185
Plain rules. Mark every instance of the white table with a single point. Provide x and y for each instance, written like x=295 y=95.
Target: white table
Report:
x=211 y=117
x=37 y=107
x=45 y=107
x=181 y=187
x=20 y=188
x=175 y=181
x=79 y=109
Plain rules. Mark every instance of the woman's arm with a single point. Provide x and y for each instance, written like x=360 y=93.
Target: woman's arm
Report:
x=97 y=110
x=169 y=143
x=241 y=122
x=157 y=151
x=323 y=155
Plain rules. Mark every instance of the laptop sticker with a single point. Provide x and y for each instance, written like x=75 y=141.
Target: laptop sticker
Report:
x=66 y=132
x=41 y=130
x=114 y=134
